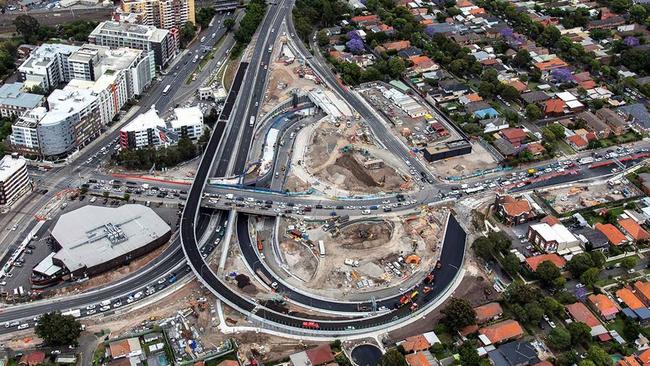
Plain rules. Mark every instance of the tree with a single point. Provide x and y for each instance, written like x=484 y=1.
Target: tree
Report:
x=547 y=272
x=552 y=306
x=322 y=38
x=599 y=356
x=204 y=16
x=620 y=6
x=396 y=67
x=458 y=314
x=58 y=330
x=392 y=358
x=509 y=92
x=522 y=58
x=521 y=293
x=590 y=276
x=534 y=311
x=598 y=258
x=511 y=264
x=559 y=338
x=105 y=194
x=533 y=112
x=629 y=262
x=126 y=197
x=37 y=89
x=229 y=23
x=188 y=30
x=27 y=26
x=579 y=263
x=580 y=333
x=355 y=45
x=468 y=355
x=557 y=129
x=483 y=248
x=638 y=13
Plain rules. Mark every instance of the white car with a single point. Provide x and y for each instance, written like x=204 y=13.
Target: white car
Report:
x=117 y=304
x=91 y=312
x=23 y=326
x=105 y=308
x=90 y=307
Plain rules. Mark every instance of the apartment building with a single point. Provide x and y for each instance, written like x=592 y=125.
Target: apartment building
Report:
x=165 y=14
x=14 y=181
x=47 y=66
x=161 y=43
x=149 y=130
x=14 y=101
x=24 y=134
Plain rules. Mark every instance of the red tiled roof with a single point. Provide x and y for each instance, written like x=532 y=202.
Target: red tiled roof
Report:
x=320 y=355
x=628 y=361
x=550 y=220
x=535 y=148
x=645 y=356
x=534 y=262
x=554 y=106
x=643 y=288
x=415 y=343
x=397 y=45
x=634 y=229
x=502 y=331
x=604 y=304
x=551 y=64
x=614 y=235
x=33 y=358
x=513 y=134
x=516 y=207
x=629 y=298
x=365 y=18
x=577 y=141
x=580 y=313
x=417 y=359
x=228 y=363
x=487 y=312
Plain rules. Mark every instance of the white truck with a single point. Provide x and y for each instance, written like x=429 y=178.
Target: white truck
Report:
x=75 y=313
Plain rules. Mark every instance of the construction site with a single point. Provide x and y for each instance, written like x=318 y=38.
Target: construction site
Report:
x=342 y=156
x=575 y=197
x=362 y=256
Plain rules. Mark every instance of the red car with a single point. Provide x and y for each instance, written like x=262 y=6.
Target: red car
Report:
x=310 y=325
x=428 y=279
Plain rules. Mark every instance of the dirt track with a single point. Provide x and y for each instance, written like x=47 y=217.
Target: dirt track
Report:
x=54 y=17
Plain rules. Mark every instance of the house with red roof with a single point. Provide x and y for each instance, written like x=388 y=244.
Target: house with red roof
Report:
x=577 y=142
x=488 y=312
x=604 y=306
x=514 y=211
x=579 y=312
x=554 y=107
x=626 y=297
x=501 y=332
x=422 y=64
x=514 y=135
x=633 y=229
x=32 y=358
x=533 y=262
x=614 y=235
x=643 y=291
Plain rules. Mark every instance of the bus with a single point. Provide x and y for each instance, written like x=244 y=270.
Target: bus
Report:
x=321 y=248
x=166 y=90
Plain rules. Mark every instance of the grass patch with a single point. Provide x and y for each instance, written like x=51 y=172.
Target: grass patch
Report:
x=229 y=72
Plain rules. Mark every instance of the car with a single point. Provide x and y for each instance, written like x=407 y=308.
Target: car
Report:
x=23 y=326
x=365 y=212
x=90 y=307
x=105 y=308
x=117 y=304
x=3 y=283
x=91 y=312
x=161 y=281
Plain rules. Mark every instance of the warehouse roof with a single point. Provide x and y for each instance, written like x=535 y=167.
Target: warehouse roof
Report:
x=92 y=235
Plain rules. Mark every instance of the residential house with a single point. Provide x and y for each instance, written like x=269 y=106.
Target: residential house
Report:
x=516 y=353
x=577 y=142
x=320 y=355
x=493 y=124
x=535 y=148
x=516 y=136
x=595 y=124
x=514 y=211
x=409 y=52
x=422 y=358
x=615 y=122
x=592 y=239
x=554 y=107
x=633 y=229
x=505 y=148
x=533 y=262
x=422 y=64
x=638 y=115
x=534 y=97
x=614 y=235
x=396 y=46
x=415 y=344
x=605 y=307
x=628 y=361
x=628 y=298
x=501 y=332
x=579 y=312
x=643 y=291
x=32 y=358
x=129 y=347
x=545 y=67
x=488 y=312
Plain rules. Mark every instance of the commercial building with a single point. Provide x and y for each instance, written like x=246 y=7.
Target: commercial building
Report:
x=160 y=42
x=149 y=130
x=165 y=14
x=551 y=235
x=47 y=66
x=14 y=181
x=14 y=102
x=95 y=239
x=447 y=150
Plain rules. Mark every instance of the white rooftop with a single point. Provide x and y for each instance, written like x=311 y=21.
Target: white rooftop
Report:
x=557 y=232
x=92 y=235
x=187 y=116
x=9 y=165
x=566 y=96
x=144 y=121
x=66 y=102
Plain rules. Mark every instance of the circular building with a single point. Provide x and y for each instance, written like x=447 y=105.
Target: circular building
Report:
x=96 y=239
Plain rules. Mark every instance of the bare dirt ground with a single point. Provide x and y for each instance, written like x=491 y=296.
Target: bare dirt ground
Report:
x=378 y=244
x=337 y=157
x=569 y=199
x=479 y=159
x=184 y=171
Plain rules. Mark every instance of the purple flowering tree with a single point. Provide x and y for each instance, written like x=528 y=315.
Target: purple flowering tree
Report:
x=631 y=41
x=355 y=45
x=352 y=35
x=561 y=75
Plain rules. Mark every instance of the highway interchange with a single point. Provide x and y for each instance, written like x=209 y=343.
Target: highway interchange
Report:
x=226 y=155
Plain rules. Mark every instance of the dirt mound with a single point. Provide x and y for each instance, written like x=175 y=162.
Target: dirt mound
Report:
x=365 y=235
x=351 y=164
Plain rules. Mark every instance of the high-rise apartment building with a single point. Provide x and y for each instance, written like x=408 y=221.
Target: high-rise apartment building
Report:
x=165 y=14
